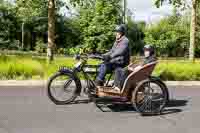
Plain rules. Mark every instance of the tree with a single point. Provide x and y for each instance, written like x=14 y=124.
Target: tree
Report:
x=51 y=26
x=193 y=31
x=135 y=35
x=8 y=26
x=97 y=21
x=197 y=48
x=51 y=30
x=170 y=36
x=27 y=10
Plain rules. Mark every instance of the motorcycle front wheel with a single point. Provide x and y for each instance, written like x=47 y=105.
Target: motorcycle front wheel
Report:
x=61 y=88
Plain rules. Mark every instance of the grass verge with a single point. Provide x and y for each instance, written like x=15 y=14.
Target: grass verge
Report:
x=26 y=67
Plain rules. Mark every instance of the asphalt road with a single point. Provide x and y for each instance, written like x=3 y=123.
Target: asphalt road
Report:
x=28 y=110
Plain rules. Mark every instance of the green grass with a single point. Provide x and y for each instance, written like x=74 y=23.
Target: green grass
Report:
x=20 y=68
x=26 y=67
x=178 y=70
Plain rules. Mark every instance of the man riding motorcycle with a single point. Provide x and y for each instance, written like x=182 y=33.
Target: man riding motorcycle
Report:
x=117 y=57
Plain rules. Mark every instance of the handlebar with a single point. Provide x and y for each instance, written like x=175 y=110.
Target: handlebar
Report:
x=96 y=57
x=85 y=57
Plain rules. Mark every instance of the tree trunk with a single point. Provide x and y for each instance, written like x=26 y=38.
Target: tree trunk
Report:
x=124 y=13
x=51 y=30
x=193 y=30
x=22 y=36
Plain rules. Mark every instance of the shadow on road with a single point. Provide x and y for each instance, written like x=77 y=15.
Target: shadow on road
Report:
x=170 y=107
x=177 y=103
x=105 y=107
x=171 y=111
x=120 y=108
x=82 y=101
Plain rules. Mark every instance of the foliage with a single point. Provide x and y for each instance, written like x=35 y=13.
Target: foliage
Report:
x=170 y=36
x=75 y=50
x=178 y=71
x=135 y=35
x=193 y=29
x=22 y=67
x=19 y=68
x=41 y=46
x=68 y=32
x=82 y=3
x=177 y=3
x=29 y=9
x=92 y=29
x=97 y=23
x=26 y=67
x=8 y=25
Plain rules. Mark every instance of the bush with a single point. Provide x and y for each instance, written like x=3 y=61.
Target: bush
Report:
x=15 y=68
x=178 y=71
x=15 y=45
x=73 y=51
x=61 y=51
x=40 y=46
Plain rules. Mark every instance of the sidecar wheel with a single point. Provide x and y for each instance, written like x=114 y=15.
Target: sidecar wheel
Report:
x=149 y=97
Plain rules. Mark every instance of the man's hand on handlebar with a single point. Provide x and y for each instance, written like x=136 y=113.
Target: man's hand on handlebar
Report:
x=106 y=57
x=101 y=57
x=96 y=57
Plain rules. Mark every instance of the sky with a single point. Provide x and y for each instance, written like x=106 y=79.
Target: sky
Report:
x=145 y=10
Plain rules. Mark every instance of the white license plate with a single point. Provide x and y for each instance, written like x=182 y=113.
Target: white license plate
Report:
x=90 y=69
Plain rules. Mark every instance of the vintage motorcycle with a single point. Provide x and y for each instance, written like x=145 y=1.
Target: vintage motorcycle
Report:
x=146 y=93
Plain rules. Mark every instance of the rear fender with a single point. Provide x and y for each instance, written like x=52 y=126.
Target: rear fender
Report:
x=158 y=80
x=162 y=83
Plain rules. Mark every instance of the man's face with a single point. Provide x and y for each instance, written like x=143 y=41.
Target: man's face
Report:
x=146 y=53
x=118 y=35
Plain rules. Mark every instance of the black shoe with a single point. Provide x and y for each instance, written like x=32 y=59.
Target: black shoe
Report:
x=98 y=82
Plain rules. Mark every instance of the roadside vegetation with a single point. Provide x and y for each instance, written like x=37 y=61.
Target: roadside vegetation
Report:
x=26 y=67
x=23 y=68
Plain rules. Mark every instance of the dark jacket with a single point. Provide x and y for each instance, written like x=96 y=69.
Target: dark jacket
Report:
x=148 y=60
x=120 y=52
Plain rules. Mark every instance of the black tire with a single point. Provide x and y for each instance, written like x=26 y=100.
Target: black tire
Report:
x=72 y=96
x=163 y=84
x=149 y=100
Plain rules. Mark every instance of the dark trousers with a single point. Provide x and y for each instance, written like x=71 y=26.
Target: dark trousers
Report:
x=106 y=68
x=120 y=77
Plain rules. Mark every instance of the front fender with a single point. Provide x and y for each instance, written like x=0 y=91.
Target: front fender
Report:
x=72 y=74
x=65 y=70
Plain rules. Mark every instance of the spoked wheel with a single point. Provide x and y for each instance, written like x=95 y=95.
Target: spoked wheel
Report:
x=149 y=97
x=62 y=88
